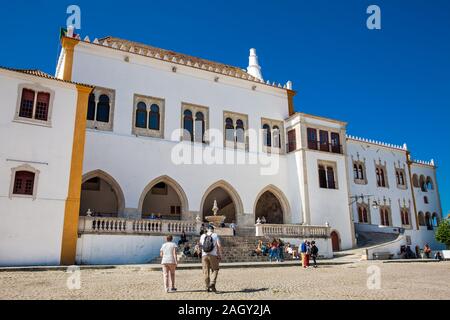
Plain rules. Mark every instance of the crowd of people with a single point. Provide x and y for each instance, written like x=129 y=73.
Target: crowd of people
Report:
x=425 y=253
x=276 y=250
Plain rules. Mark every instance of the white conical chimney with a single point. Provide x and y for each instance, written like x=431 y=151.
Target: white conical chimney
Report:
x=253 y=65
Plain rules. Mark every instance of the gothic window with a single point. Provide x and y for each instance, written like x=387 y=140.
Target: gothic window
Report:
x=229 y=130
x=381 y=176
x=154 y=117
x=429 y=184
x=428 y=221
x=267 y=135
x=384 y=216
x=148 y=116
x=400 y=177
x=195 y=123
x=276 y=137
x=141 y=115
x=421 y=219
x=188 y=125
x=100 y=109
x=355 y=171
x=363 y=215
x=103 y=108
x=34 y=105
x=240 y=131
x=405 y=216
x=423 y=184
x=199 y=131
x=415 y=181
x=361 y=172
x=435 y=220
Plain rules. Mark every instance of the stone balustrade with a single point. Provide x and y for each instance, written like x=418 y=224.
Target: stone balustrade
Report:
x=292 y=230
x=98 y=225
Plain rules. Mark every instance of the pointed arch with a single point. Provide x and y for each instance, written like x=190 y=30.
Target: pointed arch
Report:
x=239 y=208
x=112 y=182
x=281 y=199
x=172 y=183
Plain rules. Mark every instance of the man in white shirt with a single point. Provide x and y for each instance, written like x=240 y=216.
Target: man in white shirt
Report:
x=211 y=256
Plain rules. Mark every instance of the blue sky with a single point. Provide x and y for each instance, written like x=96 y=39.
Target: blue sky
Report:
x=391 y=85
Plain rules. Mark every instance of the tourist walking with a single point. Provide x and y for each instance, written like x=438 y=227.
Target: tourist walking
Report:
x=304 y=253
x=211 y=256
x=169 y=264
x=233 y=226
x=314 y=253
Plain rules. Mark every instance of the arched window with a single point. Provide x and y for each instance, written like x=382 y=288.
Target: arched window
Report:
x=229 y=130
x=415 y=181
x=397 y=175
x=103 y=108
x=421 y=219
x=24 y=183
x=91 y=107
x=435 y=220
x=141 y=115
x=188 y=125
x=384 y=217
x=199 y=127
x=402 y=179
x=240 y=131
x=428 y=221
x=423 y=185
x=405 y=217
x=377 y=172
x=361 y=172
x=425 y=199
x=153 y=118
x=276 y=137
x=267 y=136
x=362 y=214
x=430 y=185
x=355 y=171
x=383 y=181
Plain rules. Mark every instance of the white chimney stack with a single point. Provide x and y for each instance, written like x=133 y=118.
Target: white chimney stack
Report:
x=253 y=65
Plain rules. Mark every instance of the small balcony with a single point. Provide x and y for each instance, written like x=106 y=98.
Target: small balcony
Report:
x=325 y=146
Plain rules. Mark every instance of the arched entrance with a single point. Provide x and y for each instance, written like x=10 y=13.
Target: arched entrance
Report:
x=163 y=197
x=272 y=205
x=228 y=201
x=335 y=242
x=101 y=194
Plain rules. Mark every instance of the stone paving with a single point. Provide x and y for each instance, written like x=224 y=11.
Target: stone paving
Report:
x=349 y=281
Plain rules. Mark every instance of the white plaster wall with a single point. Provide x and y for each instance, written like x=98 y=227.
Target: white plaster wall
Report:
x=118 y=249
x=371 y=153
x=136 y=161
x=433 y=196
x=330 y=205
x=324 y=245
x=31 y=230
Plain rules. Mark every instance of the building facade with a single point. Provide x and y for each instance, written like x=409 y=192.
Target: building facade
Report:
x=168 y=134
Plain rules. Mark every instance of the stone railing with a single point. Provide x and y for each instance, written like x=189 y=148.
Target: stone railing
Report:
x=292 y=230
x=97 y=225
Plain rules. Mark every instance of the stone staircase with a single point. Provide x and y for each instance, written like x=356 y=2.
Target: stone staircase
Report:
x=234 y=249
x=370 y=239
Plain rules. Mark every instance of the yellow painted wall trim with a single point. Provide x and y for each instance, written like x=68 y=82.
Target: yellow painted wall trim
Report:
x=291 y=94
x=72 y=207
x=68 y=45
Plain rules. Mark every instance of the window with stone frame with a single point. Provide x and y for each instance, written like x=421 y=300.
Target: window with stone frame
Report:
x=363 y=213
x=385 y=216
x=327 y=175
x=381 y=176
x=400 y=177
x=34 y=104
x=24 y=181
x=195 y=123
x=272 y=132
x=359 y=172
x=235 y=130
x=100 y=114
x=405 y=216
x=148 y=116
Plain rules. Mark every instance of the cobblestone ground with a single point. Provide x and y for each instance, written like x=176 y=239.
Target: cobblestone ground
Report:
x=398 y=281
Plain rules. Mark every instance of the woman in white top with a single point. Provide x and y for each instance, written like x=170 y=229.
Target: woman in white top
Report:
x=169 y=264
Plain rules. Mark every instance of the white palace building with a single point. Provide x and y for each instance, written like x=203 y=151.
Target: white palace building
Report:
x=126 y=132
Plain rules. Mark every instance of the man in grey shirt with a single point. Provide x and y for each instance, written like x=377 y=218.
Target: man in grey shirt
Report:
x=211 y=256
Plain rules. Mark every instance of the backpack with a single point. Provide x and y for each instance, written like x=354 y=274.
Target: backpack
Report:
x=208 y=244
x=314 y=250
